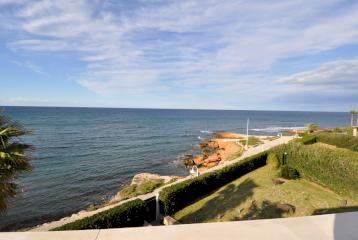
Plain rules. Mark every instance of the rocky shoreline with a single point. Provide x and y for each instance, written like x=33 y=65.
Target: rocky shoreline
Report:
x=139 y=178
x=149 y=180
x=223 y=146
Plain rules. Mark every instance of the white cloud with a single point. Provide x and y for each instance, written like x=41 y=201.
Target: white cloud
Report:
x=31 y=66
x=185 y=43
x=10 y=2
x=340 y=75
x=38 y=45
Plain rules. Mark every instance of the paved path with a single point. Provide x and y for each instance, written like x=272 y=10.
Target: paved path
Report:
x=341 y=226
x=82 y=214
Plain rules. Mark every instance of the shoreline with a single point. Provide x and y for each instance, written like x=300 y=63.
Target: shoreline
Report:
x=82 y=214
x=107 y=205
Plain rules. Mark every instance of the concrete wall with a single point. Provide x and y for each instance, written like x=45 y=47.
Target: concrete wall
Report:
x=341 y=226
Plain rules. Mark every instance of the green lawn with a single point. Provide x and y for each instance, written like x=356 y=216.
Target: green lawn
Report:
x=254 y=196
x=139 y=189
x=252 y=141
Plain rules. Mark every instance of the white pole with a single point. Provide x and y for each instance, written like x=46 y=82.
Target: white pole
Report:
x=247 y=133
x=157 y=210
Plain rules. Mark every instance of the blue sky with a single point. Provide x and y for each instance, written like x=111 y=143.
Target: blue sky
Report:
x=222 y=54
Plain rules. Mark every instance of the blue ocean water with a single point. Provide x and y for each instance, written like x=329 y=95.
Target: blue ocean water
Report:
x=84 y=155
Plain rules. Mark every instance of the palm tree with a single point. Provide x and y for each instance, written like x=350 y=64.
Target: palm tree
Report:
x=353 y=112
x=311 y=127
x=14 y=157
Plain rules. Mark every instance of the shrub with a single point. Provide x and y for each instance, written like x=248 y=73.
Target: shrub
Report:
x=273 y=161
x=289 y=172
x=339 y=140
x=333 y=168
x=129 y=214
x=176 y=197
x=311 y=127
x=149 y=185
x=308 y=139
x=144 y=187
x=302 y=134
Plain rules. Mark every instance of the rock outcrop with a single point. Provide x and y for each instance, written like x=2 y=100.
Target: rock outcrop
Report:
x=213 y=152
x=139 y=180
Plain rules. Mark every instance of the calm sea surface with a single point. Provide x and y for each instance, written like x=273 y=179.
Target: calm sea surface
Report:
x=84 y=155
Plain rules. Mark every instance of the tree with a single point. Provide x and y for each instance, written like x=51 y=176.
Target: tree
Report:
x=353 y=112
x=311 y=127
x=14 y=157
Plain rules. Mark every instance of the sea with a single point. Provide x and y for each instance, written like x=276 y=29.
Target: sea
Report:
x=83 y=156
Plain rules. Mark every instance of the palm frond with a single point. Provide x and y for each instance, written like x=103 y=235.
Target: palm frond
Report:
x=14 y=156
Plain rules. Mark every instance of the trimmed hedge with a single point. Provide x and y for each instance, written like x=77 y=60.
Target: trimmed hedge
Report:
x=129 y=214
x=309 y=139
x=339 y=140
x=334 y=168
x=177 y=196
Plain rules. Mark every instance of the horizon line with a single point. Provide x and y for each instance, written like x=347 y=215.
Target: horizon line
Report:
x=153 y=108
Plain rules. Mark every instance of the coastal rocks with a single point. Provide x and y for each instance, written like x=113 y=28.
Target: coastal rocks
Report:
x=188 y=160
x=142 y=183
x=142 y=177
x=198 y=160
x=213 y=152
x=228 y=135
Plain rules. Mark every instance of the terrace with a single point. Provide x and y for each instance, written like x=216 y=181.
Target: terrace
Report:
x=328 y=227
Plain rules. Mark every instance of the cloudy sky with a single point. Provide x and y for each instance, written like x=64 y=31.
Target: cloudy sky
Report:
x=212 y=54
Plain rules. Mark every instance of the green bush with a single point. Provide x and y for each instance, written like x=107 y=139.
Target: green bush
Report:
x=311 y=127
x=252 y=141
x=289 y=172
x=344 y=130
x=333 y=168
x=129 y=214
x=340 y=140
x=149 y=185
x=176 y=197
x=144 y=187
x=308 y=139
x=273 y=161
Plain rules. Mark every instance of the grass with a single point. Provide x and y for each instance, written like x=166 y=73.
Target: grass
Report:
x=338 y=139
x=271 y=138
x=235 y=155
x=254 y=196
x=335 y=168
x=252 y=141
x=142 y=188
